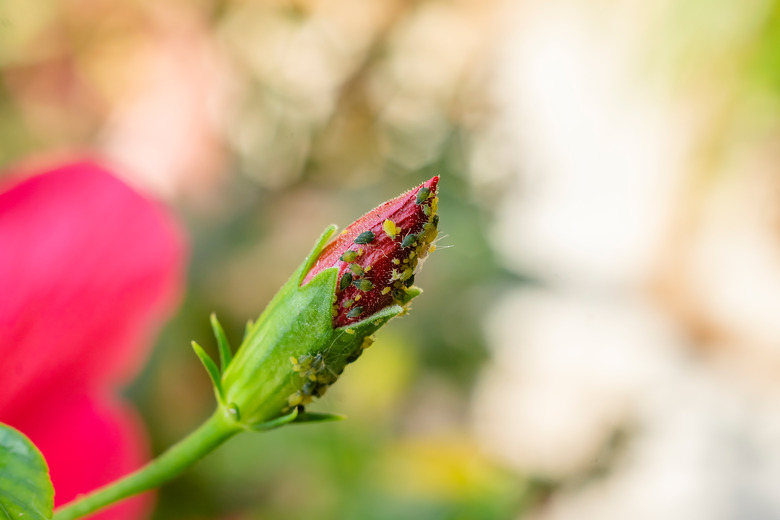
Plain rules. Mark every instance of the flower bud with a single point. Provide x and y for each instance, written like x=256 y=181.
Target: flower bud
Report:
x=324 y=316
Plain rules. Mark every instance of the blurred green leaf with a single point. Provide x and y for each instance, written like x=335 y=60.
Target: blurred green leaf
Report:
x=26 y=491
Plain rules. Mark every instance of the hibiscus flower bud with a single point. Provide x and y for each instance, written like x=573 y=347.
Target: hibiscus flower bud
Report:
x=325 y=315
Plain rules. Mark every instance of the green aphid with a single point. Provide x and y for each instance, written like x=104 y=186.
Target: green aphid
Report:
x=366 y=237
x=399 y=294
x=409 y=240
x=410 y=281
x=422 y=195
x=347 y=303
x=364 y=285
x=349 y=256
x=355 y=312
x=435 y=221
x=346 y=280
x=427 y=210
x=356 y=270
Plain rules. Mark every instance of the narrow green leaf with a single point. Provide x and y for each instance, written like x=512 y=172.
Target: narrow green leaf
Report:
x=275 y=423
x=26 y=491
x=225 y=354
x=248 y=329
x=212 y=370
x=313 y=417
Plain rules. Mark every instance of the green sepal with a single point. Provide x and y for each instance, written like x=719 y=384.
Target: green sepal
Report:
x=225 y=354
x=315 y=252
x=275 y=423
x=212 y=370
x=315 y=417
x=26 y=491
x=249 y=325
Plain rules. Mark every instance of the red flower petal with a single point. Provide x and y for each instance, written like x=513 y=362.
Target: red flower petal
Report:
x=386 y=245
x=88 y=443
x=89 y=269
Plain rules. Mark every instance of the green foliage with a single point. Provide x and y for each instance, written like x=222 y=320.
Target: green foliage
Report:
x=26 y=492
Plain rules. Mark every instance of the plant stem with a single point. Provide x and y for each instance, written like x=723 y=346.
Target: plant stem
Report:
x=216 y=430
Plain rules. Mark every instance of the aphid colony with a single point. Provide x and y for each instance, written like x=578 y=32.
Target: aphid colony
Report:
x=380 y=265
x=318 y=375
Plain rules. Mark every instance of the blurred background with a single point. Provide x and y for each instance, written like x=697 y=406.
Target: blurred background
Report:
x=599 y=336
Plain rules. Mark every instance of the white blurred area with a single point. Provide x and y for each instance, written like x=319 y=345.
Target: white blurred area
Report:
x=658 y=318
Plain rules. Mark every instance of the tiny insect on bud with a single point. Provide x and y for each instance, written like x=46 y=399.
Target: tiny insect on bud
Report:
x=409 y=240
x=349 y=256
x=346 y=279
x=422 y=195
x=365 y=238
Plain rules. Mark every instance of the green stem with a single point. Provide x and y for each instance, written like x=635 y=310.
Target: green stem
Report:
x=216 y=430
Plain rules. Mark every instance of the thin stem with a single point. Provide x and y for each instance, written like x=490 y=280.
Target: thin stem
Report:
x=216 y=430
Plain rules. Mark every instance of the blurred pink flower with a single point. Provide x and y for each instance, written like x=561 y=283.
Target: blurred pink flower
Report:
x=89 y=269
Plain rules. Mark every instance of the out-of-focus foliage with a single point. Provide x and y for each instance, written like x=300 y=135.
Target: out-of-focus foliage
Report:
x=608 y=205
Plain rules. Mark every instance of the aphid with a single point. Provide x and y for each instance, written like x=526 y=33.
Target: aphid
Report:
x=422 y=195
x=396 y=261
x=355 y=312
x=364 y=285
x=408 y=240
x=390 y=228
x=435 y=221
x=346 y=280
x=295 y=399
x=347 y=303
x=410 y=281
x=366 y=237
x=427 y=210
x=350 y=331
x=408 y=273
x=385 y=290
x=349 y=256
x=356 y=270
x=398 y=294
x=358 y=296
x=354 y=356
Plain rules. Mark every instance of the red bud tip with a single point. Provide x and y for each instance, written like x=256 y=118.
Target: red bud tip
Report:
x=378 y=254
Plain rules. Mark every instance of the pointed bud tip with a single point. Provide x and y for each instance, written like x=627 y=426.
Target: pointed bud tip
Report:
x=378 y=254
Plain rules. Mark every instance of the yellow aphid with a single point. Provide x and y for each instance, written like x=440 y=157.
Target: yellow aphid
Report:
x=385 y=290
x=295 y=399
x=432 y=249
x=367 y=269
x=350 y=331
x=435 y=205
x=390 y=228
x=396 y=261
x=358 y=297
